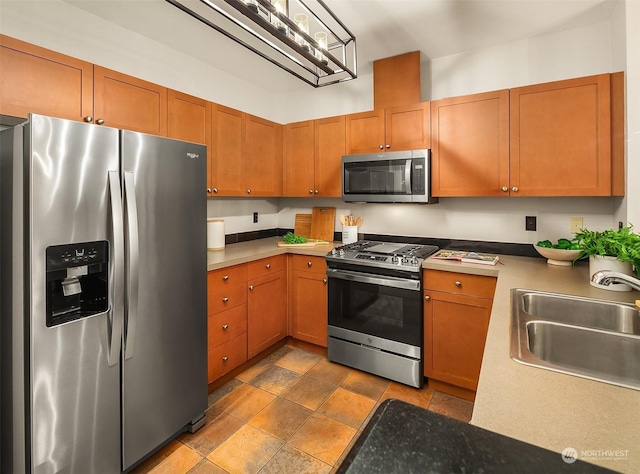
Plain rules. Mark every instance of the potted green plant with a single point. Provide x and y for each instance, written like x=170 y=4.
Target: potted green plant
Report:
x=617 y=250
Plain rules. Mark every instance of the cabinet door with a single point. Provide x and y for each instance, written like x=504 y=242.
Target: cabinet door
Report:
x=266 y=312
x=470 y=152
x=408 y=127
x=227 y=165
x=41 y=81
x=309 y=307
x=561 y=138
x=189 y=119
x=122 y=101
x=329 y=148
x=262 y=157
x=455 y=330
x=365 y=132
x=299 y=170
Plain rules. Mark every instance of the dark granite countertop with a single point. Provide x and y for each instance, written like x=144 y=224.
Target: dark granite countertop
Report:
x=404 y=438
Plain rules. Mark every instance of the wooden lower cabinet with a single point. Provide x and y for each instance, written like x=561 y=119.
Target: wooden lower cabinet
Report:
x=457 y=309
x=227 y=356
x=308 y=299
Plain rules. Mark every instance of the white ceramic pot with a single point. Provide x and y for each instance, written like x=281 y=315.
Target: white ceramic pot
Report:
x=598 y=263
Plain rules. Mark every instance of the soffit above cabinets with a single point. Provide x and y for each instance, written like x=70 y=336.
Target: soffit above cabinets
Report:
x=383 y=28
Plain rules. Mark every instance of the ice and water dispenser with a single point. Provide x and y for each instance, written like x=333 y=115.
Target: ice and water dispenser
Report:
x=77 y=281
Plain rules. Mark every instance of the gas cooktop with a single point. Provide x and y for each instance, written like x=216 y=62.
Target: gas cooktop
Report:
x=400 y=256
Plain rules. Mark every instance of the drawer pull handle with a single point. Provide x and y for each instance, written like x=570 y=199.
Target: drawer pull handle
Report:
x=458 y=284
x=324 y=280
x=427 y=297
x=251 y=287
x=225 y=327
x=225 y=299
x=225 y=278
x=309 y=264
x=225 y=358
x=268 y=266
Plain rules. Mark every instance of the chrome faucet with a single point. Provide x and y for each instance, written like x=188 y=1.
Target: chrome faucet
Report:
x=606 y=277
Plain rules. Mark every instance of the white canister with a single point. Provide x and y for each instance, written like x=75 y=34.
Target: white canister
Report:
x=215 y=234
x=349 y=234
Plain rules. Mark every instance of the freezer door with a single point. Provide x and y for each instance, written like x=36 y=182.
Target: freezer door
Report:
x=165 y=353
x=73 y=387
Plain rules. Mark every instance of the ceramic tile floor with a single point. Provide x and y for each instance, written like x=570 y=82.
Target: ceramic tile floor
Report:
x=293 y=412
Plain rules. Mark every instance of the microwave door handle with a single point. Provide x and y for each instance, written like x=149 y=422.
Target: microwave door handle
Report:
x=375 y=280
x=407 y=175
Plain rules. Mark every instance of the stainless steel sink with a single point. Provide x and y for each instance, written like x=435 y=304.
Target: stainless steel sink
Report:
x=585 y=337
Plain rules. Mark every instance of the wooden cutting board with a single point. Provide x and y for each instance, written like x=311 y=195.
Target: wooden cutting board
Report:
x=302 y=225
x=323 y=223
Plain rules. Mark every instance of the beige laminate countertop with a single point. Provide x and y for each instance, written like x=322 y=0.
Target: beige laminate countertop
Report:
x=547 y=409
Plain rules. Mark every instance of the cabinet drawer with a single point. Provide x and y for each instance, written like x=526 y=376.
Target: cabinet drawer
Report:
x=226 y=325
x=460 y=283
x=266 y=266
x=226 y=297
x=227 y=276
x=304 y=263
x=227 y=357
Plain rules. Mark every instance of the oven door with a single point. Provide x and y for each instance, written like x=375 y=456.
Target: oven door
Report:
x=376 y=305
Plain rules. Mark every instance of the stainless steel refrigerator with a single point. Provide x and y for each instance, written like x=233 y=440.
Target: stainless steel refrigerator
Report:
x=103 y=295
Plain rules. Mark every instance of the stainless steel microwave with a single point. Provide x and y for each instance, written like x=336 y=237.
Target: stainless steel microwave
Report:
x=397 y=176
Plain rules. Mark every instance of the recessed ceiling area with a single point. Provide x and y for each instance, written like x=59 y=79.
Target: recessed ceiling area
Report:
x=382 y=28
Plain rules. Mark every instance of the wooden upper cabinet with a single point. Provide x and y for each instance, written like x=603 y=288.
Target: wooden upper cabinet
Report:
x=312 y=159
x=189 y=119
x=262 y=157
x=329 y=139
x=37 y=80
x=470 y=150
x=123 y=101
x=298 y=159
x=396 y=80
x=399 y=128
x=226 y=156
x=561 y=138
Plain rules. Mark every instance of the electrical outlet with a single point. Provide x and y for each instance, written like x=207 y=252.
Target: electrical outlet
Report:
x=575 y=224
x=255 y=217
x=530 y=223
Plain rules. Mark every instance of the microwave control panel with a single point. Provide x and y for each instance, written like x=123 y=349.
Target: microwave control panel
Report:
x=418 y=184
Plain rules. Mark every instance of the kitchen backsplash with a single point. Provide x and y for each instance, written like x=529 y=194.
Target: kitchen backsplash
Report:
x=464 y=219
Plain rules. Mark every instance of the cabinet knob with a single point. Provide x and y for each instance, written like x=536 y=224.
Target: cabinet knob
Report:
x=387 y=146
x=225 y=358
x=458 y=284
x=225 y=300
x=514 y=189
x=225 y=327
x=309 y=264
x=248 y=191
x=381 y=147
x=209 y=190
x=504 y=189
x=267 y=266
x=225 y=278
x=215 y=190
x=311 y=191
x=427 y=297
x=100 y=121
x=316 y=191
x=324 y=280
x=251 y=287
x=88 y=119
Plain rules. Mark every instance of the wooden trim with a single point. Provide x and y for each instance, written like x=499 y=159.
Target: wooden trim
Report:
x=617 y=134
x=451 y=389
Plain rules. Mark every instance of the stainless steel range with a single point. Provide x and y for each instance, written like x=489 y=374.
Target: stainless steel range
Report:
x=375 y=308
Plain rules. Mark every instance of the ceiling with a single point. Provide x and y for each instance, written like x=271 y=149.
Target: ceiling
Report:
x=382 y=28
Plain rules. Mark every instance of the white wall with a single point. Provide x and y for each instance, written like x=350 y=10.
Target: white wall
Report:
x=577 y=52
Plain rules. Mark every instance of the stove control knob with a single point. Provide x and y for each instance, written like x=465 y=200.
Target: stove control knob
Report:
x=405 y=260
x=414 y=261
x=341 y=252
x=334 y=252
x=395 y=259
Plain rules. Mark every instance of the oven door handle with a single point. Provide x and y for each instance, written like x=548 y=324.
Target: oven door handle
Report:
x=393 y=282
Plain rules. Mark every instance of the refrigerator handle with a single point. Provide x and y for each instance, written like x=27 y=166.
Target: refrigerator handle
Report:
x=132 y=259
x=116 y=280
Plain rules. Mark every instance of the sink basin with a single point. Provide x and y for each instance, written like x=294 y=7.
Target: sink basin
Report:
x=585 y=337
